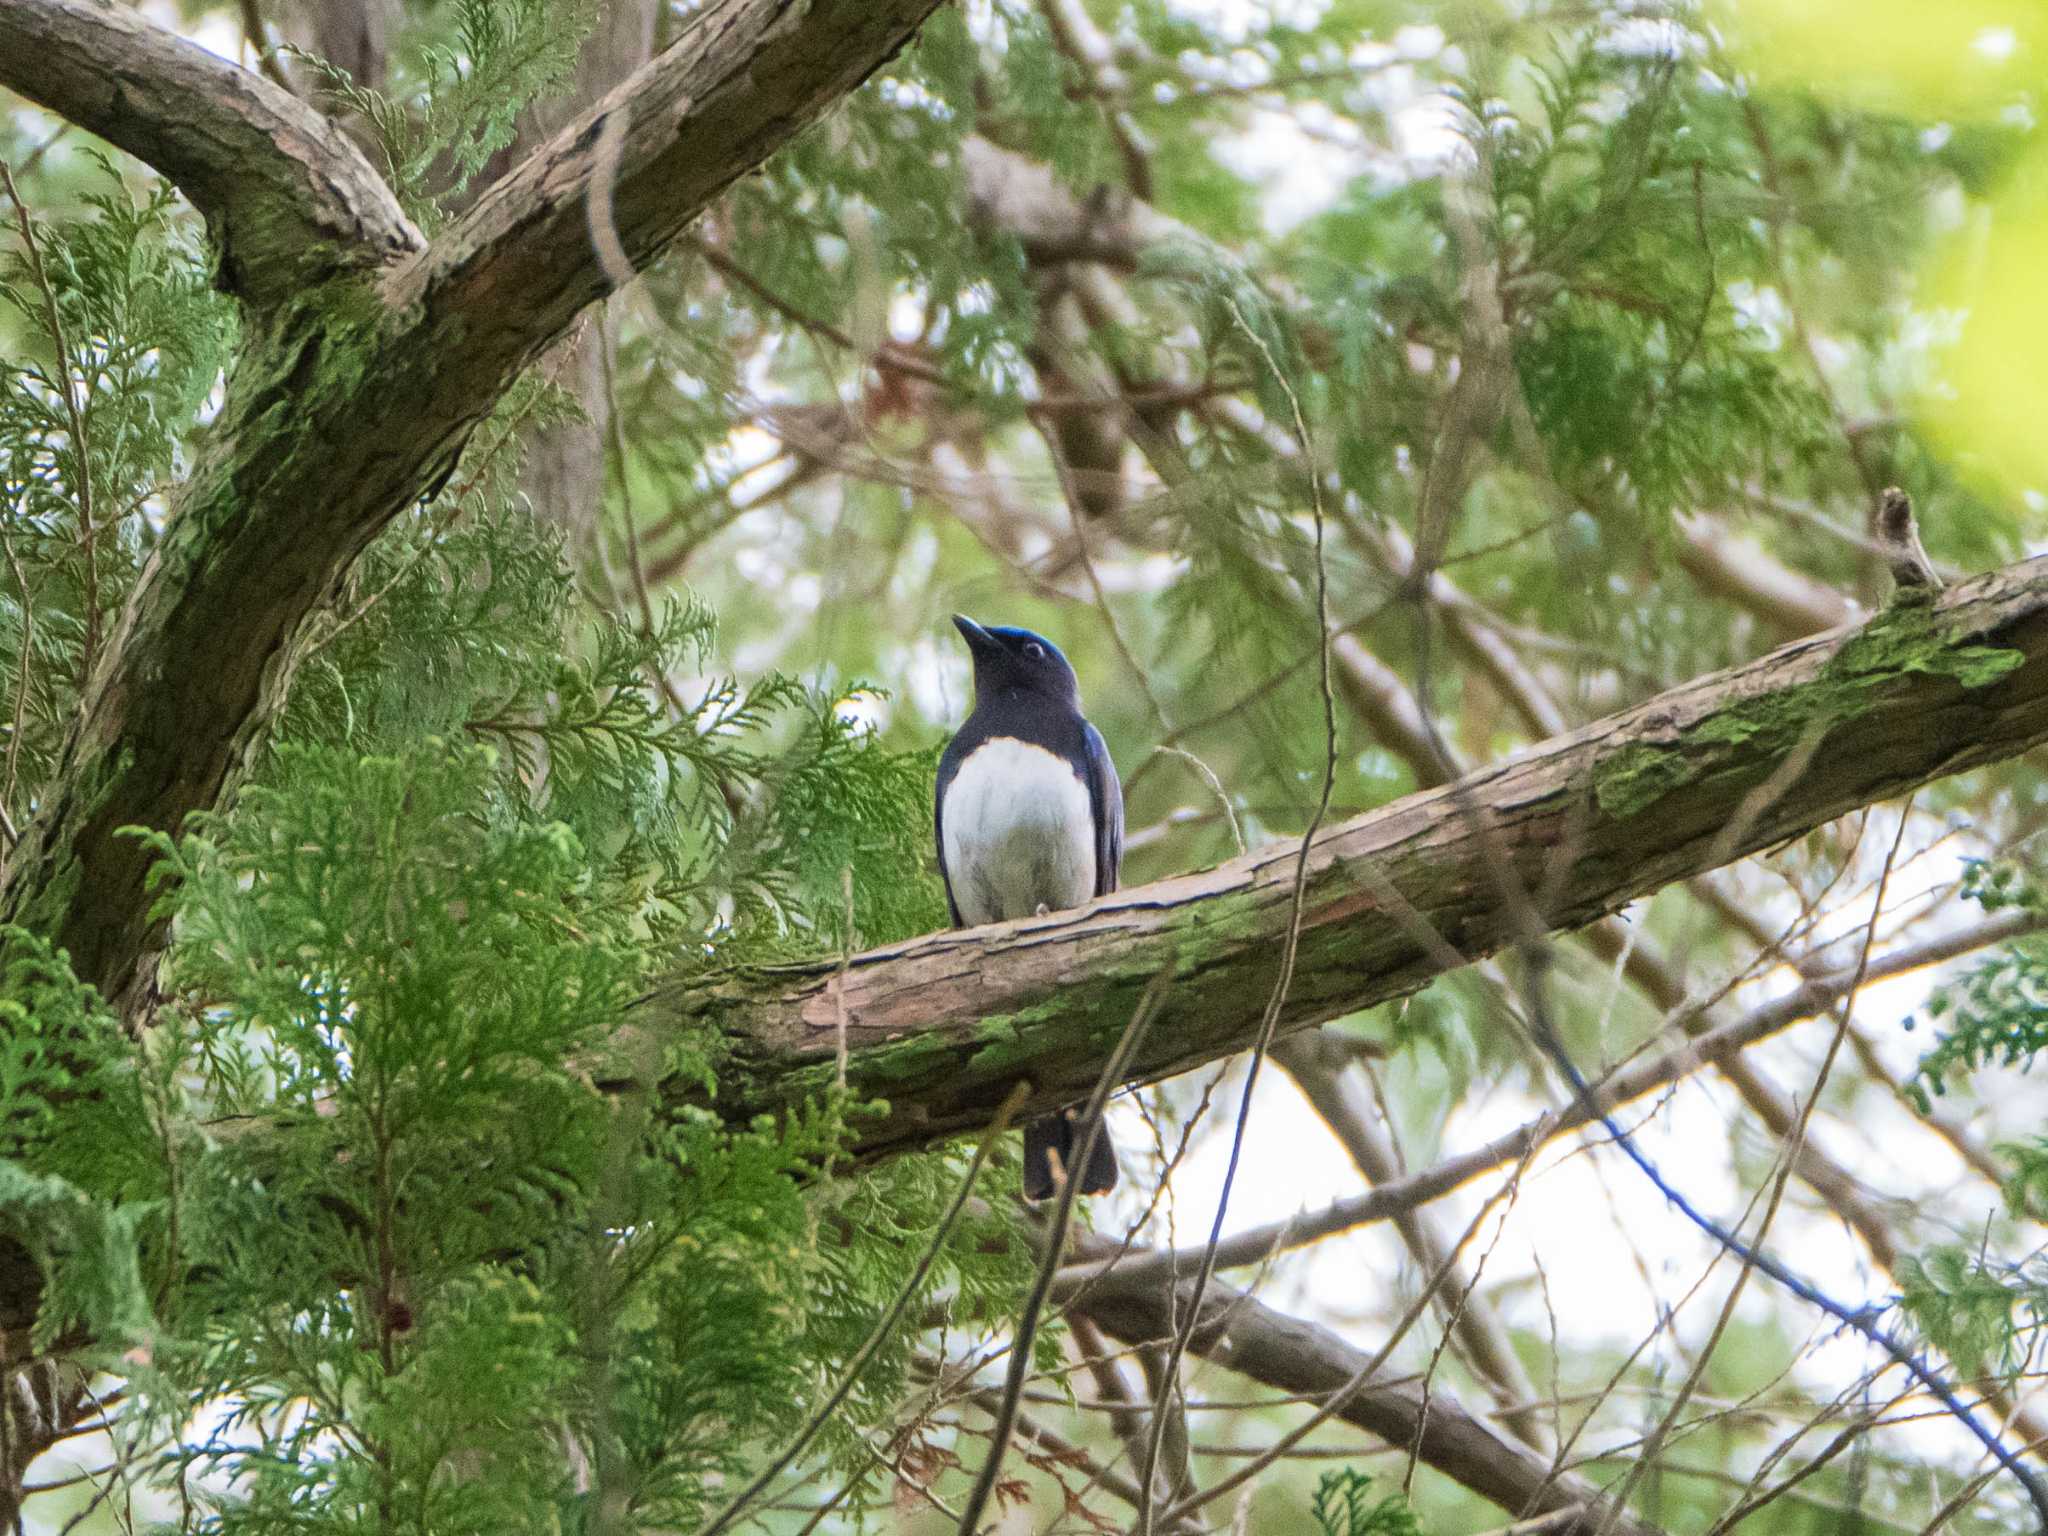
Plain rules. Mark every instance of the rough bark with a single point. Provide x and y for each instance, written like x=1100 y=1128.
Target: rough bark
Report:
x=941 y=1027
x=290 y=201
x=354 y=394
x=710 y=109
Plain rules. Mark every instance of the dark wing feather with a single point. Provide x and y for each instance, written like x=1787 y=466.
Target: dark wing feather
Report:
x=1107 y=796
x=949 y=764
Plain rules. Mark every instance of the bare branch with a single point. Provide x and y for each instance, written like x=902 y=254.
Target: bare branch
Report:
x=1024 y=197
x=1236 y=1330
x=942 y=1025
x=1335 y=1087
x=1814 y=995
x=1749 y=576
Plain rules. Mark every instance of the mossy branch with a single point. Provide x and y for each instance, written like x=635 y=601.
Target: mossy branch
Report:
x=943 y=1026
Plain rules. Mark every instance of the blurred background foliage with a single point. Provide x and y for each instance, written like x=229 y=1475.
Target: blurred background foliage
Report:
x=1589 y=334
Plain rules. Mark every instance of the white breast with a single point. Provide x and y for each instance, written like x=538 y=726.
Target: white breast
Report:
x=1019 y=833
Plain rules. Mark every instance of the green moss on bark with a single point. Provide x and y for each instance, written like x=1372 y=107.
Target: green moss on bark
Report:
x=1904 y=638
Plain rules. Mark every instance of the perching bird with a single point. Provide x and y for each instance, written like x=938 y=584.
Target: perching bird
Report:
x=1030 y=818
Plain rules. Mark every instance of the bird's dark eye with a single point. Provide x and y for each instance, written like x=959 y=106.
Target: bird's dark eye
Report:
x=1035 y=651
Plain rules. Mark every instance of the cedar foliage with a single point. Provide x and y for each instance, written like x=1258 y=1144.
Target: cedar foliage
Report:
x=478 y=829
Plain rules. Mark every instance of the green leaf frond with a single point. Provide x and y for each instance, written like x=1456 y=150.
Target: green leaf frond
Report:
x=1994 y=1012
x=1975 y=1309
x=409 y=958
x=78 y=1175
x=1345 y=1505
x=145 y=340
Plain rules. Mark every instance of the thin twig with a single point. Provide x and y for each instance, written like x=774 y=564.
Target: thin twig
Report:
x=1969 y=1492
x=1071 y=494
x=1215 y=785
x=839 y=983
x=1852 y=1434
x=1556 y=1520
x=1336 y=1401
x=605 y=244
x=1059 y=1448
x=1281 y=983
x=266 y=56
x=28 y=636
x=615 y=438
x=615 y=435
x=1393 y=1199
x=1075 y=34
x=1049 y=1263
x=1861 y=1319
x=34 y=157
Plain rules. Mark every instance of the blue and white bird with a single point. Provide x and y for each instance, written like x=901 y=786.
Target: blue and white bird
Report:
x=1030 y=818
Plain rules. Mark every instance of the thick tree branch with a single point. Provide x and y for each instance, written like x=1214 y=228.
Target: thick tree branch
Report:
x=1026 y=198
x=516 y=269
x=942 y=1026
x=290 y=200
x=1237 y=1330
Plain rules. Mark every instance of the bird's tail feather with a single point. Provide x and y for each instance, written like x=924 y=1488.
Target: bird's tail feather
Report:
x=1050 y=1143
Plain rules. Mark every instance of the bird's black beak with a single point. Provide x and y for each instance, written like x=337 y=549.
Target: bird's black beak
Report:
x=979 y=640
